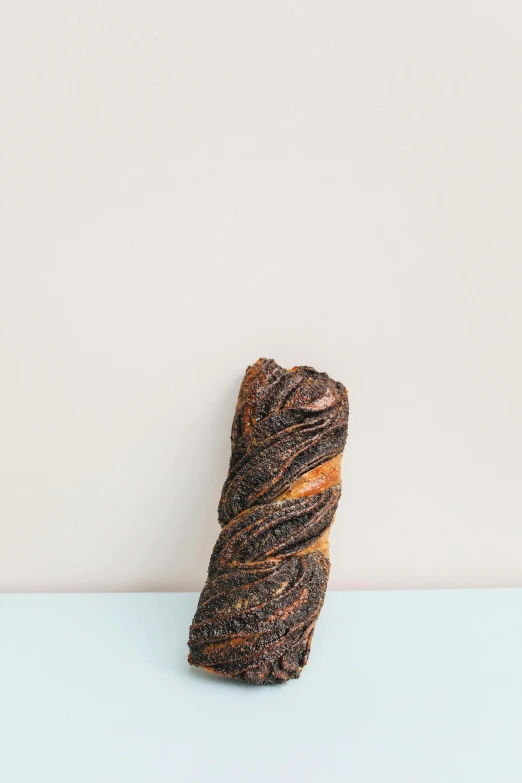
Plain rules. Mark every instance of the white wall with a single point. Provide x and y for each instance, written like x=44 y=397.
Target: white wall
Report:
x=189 y=186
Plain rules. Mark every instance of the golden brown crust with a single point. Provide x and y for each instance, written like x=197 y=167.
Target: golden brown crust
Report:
x=316 y=480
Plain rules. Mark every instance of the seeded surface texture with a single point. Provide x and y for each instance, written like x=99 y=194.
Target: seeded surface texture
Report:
x=269 y=568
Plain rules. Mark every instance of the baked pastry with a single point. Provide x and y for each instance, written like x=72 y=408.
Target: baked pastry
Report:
x=269 y=568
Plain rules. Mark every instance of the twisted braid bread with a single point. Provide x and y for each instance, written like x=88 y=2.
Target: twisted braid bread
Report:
x=269 y=567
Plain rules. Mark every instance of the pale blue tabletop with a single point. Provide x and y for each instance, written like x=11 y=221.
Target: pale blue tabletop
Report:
x=406 y=687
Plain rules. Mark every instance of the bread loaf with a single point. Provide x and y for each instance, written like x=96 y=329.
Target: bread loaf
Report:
x=269 y=568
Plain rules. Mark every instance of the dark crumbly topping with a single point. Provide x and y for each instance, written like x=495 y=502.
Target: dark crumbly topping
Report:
x=257 y=611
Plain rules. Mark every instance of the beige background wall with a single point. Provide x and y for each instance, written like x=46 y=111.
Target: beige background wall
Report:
x=186 y=187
